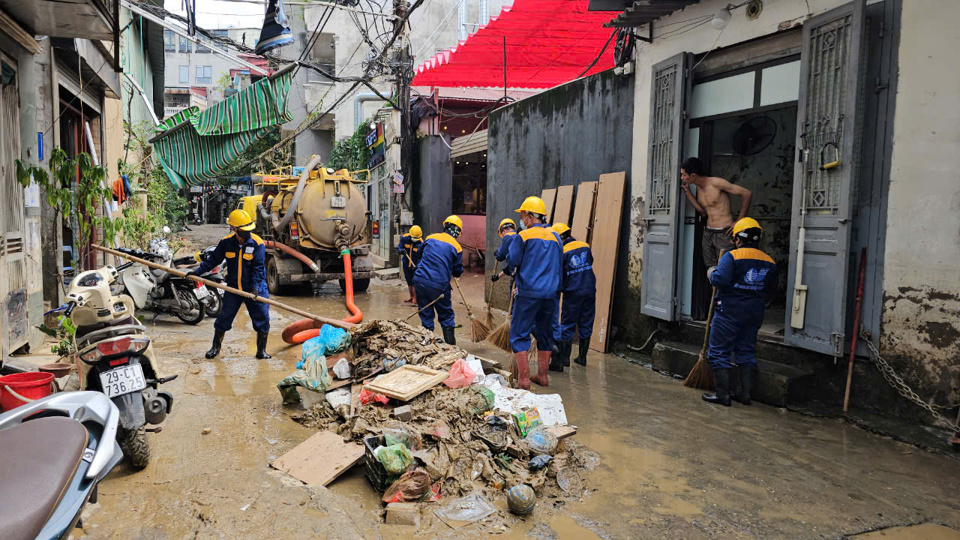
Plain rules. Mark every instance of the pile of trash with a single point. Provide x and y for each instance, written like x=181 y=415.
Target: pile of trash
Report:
x=470 y=435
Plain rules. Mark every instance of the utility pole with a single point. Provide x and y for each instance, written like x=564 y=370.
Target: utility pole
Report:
x=403 y=69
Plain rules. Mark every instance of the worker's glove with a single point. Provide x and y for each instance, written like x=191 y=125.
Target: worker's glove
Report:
x=710 y=271
x=495 y=278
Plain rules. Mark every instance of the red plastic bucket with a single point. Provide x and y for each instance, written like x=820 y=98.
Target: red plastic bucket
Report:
x=21 y=388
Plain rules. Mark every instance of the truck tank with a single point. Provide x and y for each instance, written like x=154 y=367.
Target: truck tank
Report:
x=330 y=204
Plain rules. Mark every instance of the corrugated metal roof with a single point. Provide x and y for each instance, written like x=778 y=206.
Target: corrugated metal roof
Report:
x=469 y=144
x=641 y=12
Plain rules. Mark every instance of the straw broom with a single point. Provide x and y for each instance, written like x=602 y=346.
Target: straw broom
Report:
x=701 y=376
x=488 y=320
x=500 y=337
x=478 y=330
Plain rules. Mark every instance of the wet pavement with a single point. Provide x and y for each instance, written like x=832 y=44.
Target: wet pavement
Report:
x=673 y=466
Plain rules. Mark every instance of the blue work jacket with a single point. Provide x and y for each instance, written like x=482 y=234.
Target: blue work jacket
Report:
x=743 y=278
x=245 y=263
x=504 y=250
x=409 y=251
x=578 y=276
x=537 y=256
x=441 y=258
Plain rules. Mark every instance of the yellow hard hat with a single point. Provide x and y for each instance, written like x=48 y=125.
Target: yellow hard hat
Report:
x=241 y=220
x=744 y=224
x=454 y=220
x=416 y=232
x=197 y=257
x=506 y=221
x=533 y=205
x=560 y=228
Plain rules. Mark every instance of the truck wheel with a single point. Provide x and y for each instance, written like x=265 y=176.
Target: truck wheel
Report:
x=134 y=446
x=359 y=285
x=273 y=277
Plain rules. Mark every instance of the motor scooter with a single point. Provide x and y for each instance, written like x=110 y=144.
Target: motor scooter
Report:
x=213 y=303
x=55 y=450
x=161 y=292
x=115 y=356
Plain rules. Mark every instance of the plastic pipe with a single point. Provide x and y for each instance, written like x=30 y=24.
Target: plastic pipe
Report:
x=292 y=209
x=305 y=329
x=293 y=253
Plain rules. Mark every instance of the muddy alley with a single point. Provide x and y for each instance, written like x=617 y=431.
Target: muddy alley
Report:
x=671 y=466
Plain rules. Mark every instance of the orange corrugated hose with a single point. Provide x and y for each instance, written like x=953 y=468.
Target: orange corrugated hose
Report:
x=305 y=329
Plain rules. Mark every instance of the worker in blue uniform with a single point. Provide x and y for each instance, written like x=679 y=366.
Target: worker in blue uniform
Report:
x=508 y=233
x=409 y=249
x=537 y=257
x=743 y=278
x=245 y=257
x=579 y=288
x=441 y=258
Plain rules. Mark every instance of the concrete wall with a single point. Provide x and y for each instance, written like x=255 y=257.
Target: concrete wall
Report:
x=564 y=136
x=433 y=194
x=921 y=315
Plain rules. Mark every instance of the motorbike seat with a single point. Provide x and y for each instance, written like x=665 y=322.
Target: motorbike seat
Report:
x=40 y=459
x=84 y=330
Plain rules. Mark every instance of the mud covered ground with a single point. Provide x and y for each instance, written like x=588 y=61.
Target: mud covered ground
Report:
x=671 y=465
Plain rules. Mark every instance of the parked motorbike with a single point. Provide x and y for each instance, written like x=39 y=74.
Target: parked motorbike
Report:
x=55 y=450
x=213 y=303
x=116 y=358
x=162 y=292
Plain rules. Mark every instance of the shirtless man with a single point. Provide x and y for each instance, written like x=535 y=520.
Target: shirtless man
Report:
x=713 y=200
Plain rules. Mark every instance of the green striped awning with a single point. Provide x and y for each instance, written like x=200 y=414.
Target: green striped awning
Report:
x=195 y=146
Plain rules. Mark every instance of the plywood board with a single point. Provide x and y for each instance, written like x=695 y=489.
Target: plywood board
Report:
x=606 y=241
x=549 y=196
x=564 y=205
x=583 y=211
x=562 y=432
x=407 y=382
x=320 y=459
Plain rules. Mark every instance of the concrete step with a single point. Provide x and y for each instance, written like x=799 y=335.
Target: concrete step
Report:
x=388 y=274
x=777 y=384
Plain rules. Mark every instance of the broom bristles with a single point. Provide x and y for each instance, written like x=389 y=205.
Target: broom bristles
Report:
x=488 y=318
x=478 y=330
x=500 y=337
x=701 y=376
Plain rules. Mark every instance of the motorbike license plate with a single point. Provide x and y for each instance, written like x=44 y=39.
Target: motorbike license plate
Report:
x=338 y=202
x=201 y=292
x=124 y=380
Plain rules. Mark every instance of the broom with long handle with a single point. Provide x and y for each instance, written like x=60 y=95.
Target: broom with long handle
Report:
x=488 y=320
x=500 y=337
x=701 y=376
x=478 y=330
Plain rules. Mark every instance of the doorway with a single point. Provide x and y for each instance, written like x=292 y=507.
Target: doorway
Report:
x=743 y=129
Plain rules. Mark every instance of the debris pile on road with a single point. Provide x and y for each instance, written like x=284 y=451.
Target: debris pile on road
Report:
x=432 y=442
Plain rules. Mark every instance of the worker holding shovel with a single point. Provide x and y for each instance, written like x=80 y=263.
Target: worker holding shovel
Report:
x=742 y=279
x=579 y=287
x=441 y=259
x=246 y=270
x=537 y=256
x=409 y=248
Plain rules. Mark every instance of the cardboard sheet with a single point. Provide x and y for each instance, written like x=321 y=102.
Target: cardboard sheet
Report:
x=606 y=242
x=320 y=459
x=562 y=210
x=583 y=210
x=549 y=196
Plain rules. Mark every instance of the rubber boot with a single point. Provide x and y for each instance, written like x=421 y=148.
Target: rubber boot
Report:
x=721 y=379
x=747 y=374
x=582 y=352
x=522 y=368
x=543 y=366
x=215 y=348
x=413 y=295
x=449 y=335
x=556 y=357
x=566 y=348
x=262 y=346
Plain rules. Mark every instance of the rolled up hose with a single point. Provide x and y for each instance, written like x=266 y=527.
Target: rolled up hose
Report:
x=292 y=209
x=304 y=329
x=293 y=253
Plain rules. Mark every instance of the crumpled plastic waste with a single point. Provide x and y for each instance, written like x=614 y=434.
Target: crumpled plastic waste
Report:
x=541 y=441
x=470 y=508
x=311 y=370
x=342 y=369
x=460 y=375
x=367 y=397
x=407 y=437
x=396 y=459
x=540 y=462
x=411 y=486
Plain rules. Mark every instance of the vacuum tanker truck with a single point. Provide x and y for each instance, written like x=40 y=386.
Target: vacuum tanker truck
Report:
x=308 y=222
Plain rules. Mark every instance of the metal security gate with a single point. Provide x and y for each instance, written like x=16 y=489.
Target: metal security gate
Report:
x=825 y=174
x=13 y=282
x=670 y=89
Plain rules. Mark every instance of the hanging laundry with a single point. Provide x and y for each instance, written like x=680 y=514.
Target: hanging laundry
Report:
x=276 y=31
x=119 y=193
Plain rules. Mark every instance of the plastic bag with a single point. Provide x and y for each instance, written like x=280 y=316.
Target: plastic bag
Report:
x=311 y=373
x=338 y=398
x=342 y=369
x=367 y=397
x=541 y=441
x=331 y=339
x=486 y=401
x=403 y=435
x=411 y=486
x=540 y=462
x=396 y=459
x=460 y=375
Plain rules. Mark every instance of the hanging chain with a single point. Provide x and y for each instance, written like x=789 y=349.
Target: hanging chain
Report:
x=901 y=387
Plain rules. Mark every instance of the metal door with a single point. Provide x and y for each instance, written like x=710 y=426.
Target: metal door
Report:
x=827 y=132
x=13 y=292
x=669 y=94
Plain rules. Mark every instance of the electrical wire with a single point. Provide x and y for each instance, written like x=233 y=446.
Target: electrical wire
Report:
x=712 y=48
x=599 y=55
